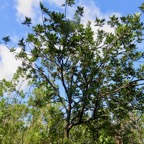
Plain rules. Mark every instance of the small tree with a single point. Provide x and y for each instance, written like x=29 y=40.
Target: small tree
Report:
x=92 y=75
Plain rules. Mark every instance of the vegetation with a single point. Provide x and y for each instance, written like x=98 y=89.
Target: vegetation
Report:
x=83 y=87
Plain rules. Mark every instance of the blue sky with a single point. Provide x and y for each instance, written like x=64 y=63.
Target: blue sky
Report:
x=12 y=13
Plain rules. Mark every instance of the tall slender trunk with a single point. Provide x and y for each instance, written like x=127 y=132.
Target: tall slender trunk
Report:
x=67 y=125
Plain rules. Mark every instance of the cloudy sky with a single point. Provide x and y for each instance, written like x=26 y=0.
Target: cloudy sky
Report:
x=12 y=13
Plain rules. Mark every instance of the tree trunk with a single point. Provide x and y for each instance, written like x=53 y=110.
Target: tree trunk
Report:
x=66 y=133
x=118 y=140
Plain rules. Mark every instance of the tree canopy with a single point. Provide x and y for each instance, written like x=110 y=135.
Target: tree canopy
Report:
x=84 y=86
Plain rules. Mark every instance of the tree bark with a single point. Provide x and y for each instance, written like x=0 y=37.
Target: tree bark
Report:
x=66 y=133
x=118 y=140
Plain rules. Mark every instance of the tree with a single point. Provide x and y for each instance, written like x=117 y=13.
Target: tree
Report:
x=12 y=114
x=92 y=76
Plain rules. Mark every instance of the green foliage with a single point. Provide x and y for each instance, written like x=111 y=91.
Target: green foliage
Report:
x=12 y=123
x=6 y=39
x=86 y=87
x=27 y=21
x=69 y=2
x=142 y=7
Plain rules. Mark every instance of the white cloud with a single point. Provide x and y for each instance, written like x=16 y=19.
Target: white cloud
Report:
x=56 y=2
x=30 y=8
x=27 y=8
x=91 y=11
x=8 y=63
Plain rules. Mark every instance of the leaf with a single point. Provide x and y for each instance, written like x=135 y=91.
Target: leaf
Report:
x=70 y=2
x=21 y=43
x=80 y=10
x=27 y=21
x=142 y=7
x=44 y=9
x=114 y=21
x=99 y=22
x=6 y=39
